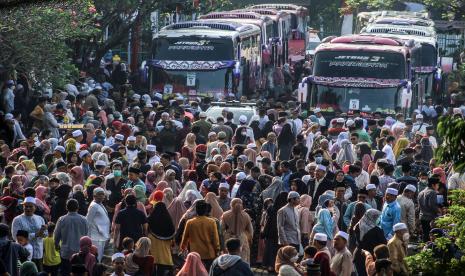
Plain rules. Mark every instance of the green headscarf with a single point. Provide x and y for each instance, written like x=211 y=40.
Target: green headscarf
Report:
x=28 y=269
x=140 y=193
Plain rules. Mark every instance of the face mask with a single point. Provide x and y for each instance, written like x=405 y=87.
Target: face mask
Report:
x=318 y=159
x=406 y=237
x=117 y=173
x=19 y=172
x=294 y=259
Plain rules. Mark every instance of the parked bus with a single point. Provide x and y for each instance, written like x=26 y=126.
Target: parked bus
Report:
x=281 y=33
x=365 y=18
x=215 y=59
x=297 y=44
x=366 y=73
x=265 y=24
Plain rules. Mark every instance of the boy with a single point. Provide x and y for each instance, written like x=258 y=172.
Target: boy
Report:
x=22 y=236
x=52 y=258
x=128 y=245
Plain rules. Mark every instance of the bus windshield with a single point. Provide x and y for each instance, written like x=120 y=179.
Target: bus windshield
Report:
x=360 y=64
x=343 y=99
x=428 y=55
x=193 y=48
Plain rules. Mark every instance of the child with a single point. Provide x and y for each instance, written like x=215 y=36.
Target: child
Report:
x=51 y=255
x=128 y=245
x=309 y=254
x=22 y=236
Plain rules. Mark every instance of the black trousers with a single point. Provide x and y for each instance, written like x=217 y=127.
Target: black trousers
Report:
x=425 y=227
x=163 y=270
x=65 y=267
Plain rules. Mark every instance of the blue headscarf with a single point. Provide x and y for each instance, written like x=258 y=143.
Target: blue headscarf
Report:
x=325 y=223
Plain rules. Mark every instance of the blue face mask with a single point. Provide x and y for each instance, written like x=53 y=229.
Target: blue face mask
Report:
x=440 y=199
x=117 y=173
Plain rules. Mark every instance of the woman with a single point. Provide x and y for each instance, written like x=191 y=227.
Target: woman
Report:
x=368 y=235
x=190 y=186
x=400 y=145
x=30 y=170
x=359 y=211
x=270 y=231
x=273 y=190
x=426 y=150
x=286 y=140
x=168 y=196
x=176 y=210
x=188 y=149
x=41 y=193
x=139 y=190
x=77 y=176
x=346 y=153
x=49 y=122
x=59 y=207
x=216 y=210
x=286 y=262
x=16 y=186
x=84 y=256
x=78 y=194
x=193 y=266
x=140 y=262
x=327 y=224
x=159 y=172
x=161 y=236
x=236 y=223
x=305 y=218
x=150 y=181
x=72 y=157
x=174 y=184
x=364 y=155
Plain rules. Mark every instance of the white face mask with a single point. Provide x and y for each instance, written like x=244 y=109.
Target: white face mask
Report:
x=294 y=259
x=19 y=172
x=406 y=237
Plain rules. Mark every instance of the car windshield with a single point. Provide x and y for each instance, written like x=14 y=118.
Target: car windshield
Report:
x=341 y=99
x=215 y=112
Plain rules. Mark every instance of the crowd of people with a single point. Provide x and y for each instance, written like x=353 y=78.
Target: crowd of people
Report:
x=103 y=176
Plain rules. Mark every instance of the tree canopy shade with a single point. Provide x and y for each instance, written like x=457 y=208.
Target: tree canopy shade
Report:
x=35 y=37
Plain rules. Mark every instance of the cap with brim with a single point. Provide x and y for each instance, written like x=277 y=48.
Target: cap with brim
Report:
x=321 y=237
x=411 y=188
x=83 y=153
x=151 y=148
x=224 y=185
x=60 y=149
x=292 y=195
x=343 y=235
x=77 y=133
x=371 y=187
x=119 y=137
x=392 y=191
x=29 y=199
x=116 y=256
x=399 y=226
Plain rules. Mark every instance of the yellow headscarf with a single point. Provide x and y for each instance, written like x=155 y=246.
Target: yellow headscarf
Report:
x=400 y=145
x=29 y=165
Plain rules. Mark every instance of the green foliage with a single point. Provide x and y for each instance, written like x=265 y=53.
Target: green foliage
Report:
x=35 y=38
x=452 y=130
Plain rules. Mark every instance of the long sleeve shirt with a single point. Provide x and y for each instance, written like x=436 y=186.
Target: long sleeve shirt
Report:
x=389 y=217
x=31 y=224
x=288 y=226
x=397 y=254
x=98 y=222
x=407 y=209
x=69 y=229
x=427 y=200
x=201 y=235
x=341 y=263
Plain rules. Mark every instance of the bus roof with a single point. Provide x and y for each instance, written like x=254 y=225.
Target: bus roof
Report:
x=400 y=29
x=272 y=13
x=242 y=17
x=208 y=28
x=404 y=21
x=398 y=14
x=419 y=39
x=291 y=8
x=362 y=42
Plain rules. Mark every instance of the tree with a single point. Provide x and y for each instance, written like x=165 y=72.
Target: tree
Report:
x=35 y=38
x=452 y=130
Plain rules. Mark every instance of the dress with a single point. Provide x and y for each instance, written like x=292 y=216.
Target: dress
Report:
x=161 y=251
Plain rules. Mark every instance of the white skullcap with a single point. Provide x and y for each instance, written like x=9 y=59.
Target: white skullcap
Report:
x=392 y=191
x=320 y=237
x=399 y=226
x=9 y=116
x=224 y=185
x=60 y=149
x=340 y=120
x=343 y=234
x=317 y=110
x=117 y=256
x=350 y=123
x=252 y=146
x=306 y=178
x=83 y=153
x=203 y=115
x=411 y=188
x=100 y=163
x=371 y=187
x=98 y=190
x=77 y=133
x=292 y=194
x=321 y=167
x=30 y=199
x=151 y=148
x=419 y=116
x=119 y=137
x=211 y=134
x=132 y=138
x=243 y=119
x=240 y=176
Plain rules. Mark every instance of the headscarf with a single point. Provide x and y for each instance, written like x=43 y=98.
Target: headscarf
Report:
x=168 y=196
x=368 y=221
x=284 y=256
x=191 y=212
x=161 y=186
x=274 y=189
x=190 y=186
x=176 y=211
x=10 y=204
x=359 y=211
x=400 y=145
x=193 y=266
x=85 y=245
x=70 y=146
x=140 y=193
x=251 y=154
x=225 y=168
x=160 y=177
x=216 y=210
x=142 y=247
x=440 y=171
x=28 y=268
x=41 y=192
x=150 y=181
x=17 y=183
x=345 y=153
x=64 y=178
x=29 y=165
x=246 y=187
x=325 y=223
x=236 y=219
x=305 y=201
x=78 y=179
x=162 y=231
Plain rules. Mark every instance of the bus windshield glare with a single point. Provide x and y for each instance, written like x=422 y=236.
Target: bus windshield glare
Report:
x=193 y=48
x=428 y=55
x=358 y=64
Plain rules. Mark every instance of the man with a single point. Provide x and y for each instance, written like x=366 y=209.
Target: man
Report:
x=131 y=149
x=419 y=125
x=428 y=109
x=201 y=235
x=374 y=131
x=361 y=197
x=231 y=264
x=152 y=154
x=288 y=222
x=407 y=207
x=362 y=134
x=115 y=185
x=286 y=175
x=372 y=199
x=341 y=263
x=350 y=178
x=35 y=226
x=12 y=253
x=119 y=138
x=391 y=212
x=406 y=157
x=203 y=124
x=18 y=133
x=98 y=222
x=270 y=145
x=427 y=201
x=387 y=149
x=319 y=115
x=69 y=229
x=398 y=249
x=223 y=199
x=221 y=127
x=130 y=222
x=341 y=204
x=318 y=185
x=86 y=163
x=406 y=177
x=118 y=262
x=133 y=178
x=320 y=241
x=240 y=176
x=229 y=121
x=37 y=114
x=109 y=139
x=100 y=167
x=430 y=135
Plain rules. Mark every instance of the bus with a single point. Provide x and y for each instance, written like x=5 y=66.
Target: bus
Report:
x=265 y=24
x=365 y=73
x=297 y=44
x=365 y=18
x=210 y=59
x=281 y=33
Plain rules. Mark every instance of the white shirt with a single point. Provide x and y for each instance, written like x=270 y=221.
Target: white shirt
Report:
x=389 y=154
x=298 y=125
x=321 y=121
x=362 y=180
x=154 y=159
x=131 y=154
x=98 y=222
x=109 y=141
x=433 y=141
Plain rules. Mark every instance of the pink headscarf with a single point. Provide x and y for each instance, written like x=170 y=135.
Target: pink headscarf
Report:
x=176 y=211
x=17 y=183
x=85 y=245
x=162 y=185
x=193 y=266
x=103 y=117
x=79 y=178
x=440 y=171
x=41 y=192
